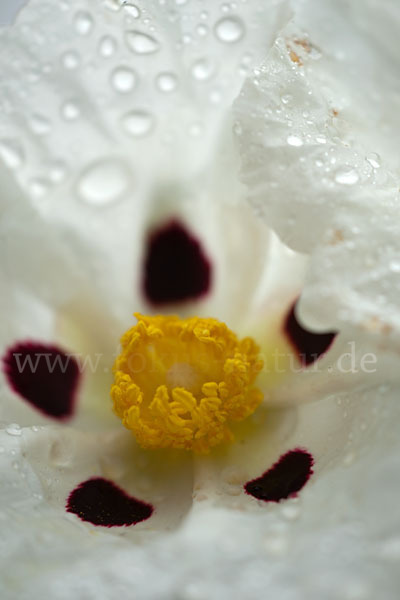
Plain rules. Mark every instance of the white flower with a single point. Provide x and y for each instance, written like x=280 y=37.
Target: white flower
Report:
x=116 y=117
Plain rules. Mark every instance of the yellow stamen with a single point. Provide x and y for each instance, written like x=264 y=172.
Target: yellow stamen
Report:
x=179 y=382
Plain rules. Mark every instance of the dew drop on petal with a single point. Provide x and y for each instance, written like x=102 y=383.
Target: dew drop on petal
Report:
x=166 y=82
x=11 y=154
x=83 y=23
x=374 y=160
x=14 y=429
x=107 y=46
x=70 y=111
x=131 y=10
x=284 y=479
x=103 y=182
x=141 y=43
x=175 y=268
x=202 y=69
x=70 y=60
x=39 y=125
x=346 y=176
x=229 y=30
x=123 y=79
x=294 y=140
x=202 y=30
x=309 y=345
x=137 y=123
x=101 y=502
x=43 y=375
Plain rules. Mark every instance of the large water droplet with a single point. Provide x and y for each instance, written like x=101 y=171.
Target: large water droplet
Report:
x=202 y=69
x=294 y=140
x=103 y=183
x=11 y=153
x=123 y=79
x=166 y=82
x=137 y=123
x=141 y=43
x=131 y=9
x=107 y=46
x=229 y=30
x=14 y=429
x=346 y=176
x=83 y=23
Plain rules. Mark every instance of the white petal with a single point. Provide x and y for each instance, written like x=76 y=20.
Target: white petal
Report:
x=339 y=540
x=313 y=170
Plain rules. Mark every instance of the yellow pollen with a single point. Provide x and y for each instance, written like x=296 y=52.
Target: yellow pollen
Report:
x=180 y=382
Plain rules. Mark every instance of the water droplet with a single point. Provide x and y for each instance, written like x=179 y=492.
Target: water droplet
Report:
x=294 y=140
x=70 y=60
x=374 y=160
x=103 y=183
x=286 y=98
x=229 y=30
x=196 y=129
x=14 y=429
x=107 y=46
x=70 y=111
x=57 y=172
x=321 y=139
x=123 y=79
x=276 y=545
x=141 y=43
x=83 y=23
x=138 y=123
x=202 y=69
x=237 y=128
x=346 y=176
x=166 y=82
x=349 y=459
x=202 y=29
x=113 y=5
x=38 y=187
x=394 y=266
x=290 y=511
x=11 y=153
x=39 y=125
x=131 y=10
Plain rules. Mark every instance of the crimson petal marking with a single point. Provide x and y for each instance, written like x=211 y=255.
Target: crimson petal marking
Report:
x=101 y=502
x=43 y=375
x=309 y=346
x=284 y=479
x=175 y=268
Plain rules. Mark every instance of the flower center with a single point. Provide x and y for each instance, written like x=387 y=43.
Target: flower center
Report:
x=180 y=382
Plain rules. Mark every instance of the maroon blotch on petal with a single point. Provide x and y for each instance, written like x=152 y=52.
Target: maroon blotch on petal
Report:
x=175 y=268
x=43 y=375
x=284 y=479
x=101 y=502
x=309 y=346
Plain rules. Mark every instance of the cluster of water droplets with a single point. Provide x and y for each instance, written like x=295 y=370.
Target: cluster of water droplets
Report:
x=134 y=63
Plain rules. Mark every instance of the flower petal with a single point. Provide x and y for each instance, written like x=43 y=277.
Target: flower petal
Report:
x=346 y=511
x=312 y=166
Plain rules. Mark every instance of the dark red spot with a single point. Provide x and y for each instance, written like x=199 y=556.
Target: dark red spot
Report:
x=309 y=346
x=176 y=268
x=44 y=376
x=284 y=479
x=101 y=502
